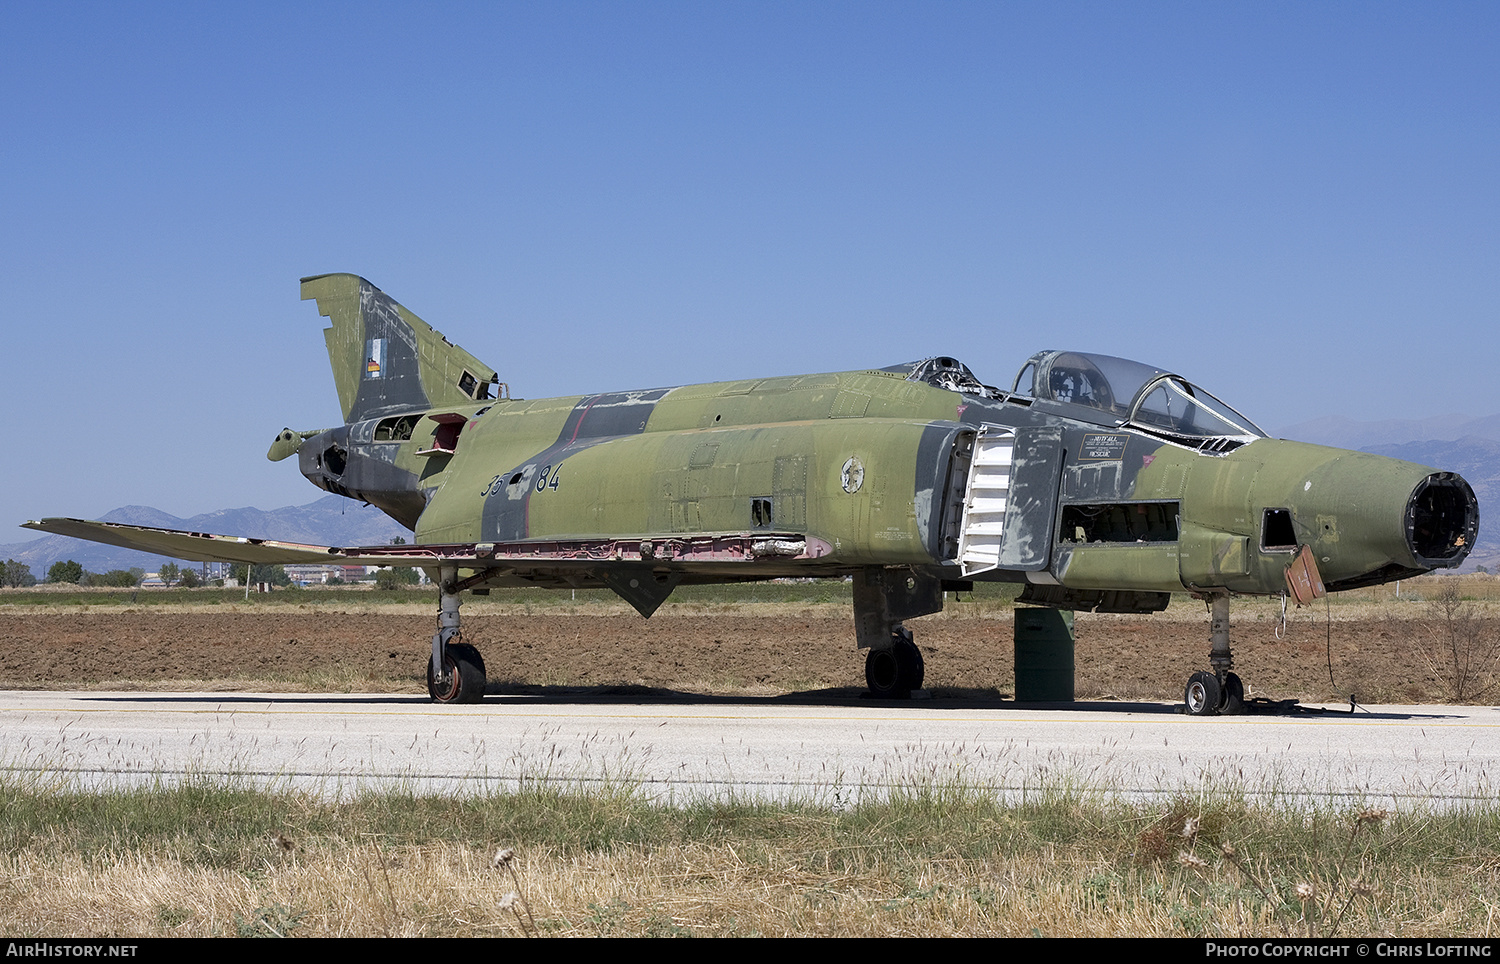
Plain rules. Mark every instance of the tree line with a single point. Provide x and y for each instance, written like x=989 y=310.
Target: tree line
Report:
x=18 y=575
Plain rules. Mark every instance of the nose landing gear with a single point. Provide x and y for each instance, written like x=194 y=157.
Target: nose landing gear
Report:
x=1221 y=692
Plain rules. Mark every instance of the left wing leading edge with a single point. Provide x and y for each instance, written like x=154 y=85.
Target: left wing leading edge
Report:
x=724 y=553
x=207 y=547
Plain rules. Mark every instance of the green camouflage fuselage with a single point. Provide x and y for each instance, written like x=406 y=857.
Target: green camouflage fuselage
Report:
x=863 y=464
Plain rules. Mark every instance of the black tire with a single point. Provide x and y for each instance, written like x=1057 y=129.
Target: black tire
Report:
x=1234 y=696
x=883 y=675
x=894 y=672
x=909 y=659
x=464 y=680
x=1203 y=695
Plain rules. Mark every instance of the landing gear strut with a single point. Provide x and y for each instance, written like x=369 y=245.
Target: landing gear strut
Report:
x=882 y=599
x=1221 y=692
x=455 y=671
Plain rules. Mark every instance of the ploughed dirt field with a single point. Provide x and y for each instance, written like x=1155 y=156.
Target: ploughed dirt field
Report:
x=759 y=650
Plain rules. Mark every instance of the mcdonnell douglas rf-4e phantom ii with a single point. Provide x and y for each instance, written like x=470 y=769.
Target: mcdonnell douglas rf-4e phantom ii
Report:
x=1100 y=484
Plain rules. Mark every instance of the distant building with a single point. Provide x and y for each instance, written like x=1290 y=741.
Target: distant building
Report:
x=316 y=575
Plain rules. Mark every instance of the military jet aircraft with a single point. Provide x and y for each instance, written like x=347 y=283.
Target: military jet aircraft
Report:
x=1099 y=483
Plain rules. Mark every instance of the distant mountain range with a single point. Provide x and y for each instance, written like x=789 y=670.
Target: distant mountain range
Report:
x=1454 y=443
x=331 y=521
x=1346 y=433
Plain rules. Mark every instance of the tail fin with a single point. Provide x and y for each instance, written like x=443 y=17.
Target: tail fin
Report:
x=385 y=359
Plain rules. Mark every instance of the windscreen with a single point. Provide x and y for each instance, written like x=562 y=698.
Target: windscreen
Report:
x=1152 y=397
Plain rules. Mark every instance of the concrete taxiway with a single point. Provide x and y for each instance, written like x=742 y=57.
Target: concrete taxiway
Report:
x=832 y=750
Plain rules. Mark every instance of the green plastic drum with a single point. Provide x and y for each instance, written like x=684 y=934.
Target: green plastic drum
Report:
x=1044 y=655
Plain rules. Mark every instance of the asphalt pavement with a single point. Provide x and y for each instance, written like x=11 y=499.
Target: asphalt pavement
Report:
x=833 y=750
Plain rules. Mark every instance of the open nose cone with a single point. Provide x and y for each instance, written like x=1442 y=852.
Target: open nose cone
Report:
x=1442 y=520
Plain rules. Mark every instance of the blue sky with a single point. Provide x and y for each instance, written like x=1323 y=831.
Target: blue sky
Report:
x=1293 y=204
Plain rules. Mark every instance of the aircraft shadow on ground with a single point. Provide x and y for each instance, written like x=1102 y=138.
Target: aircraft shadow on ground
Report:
x=615 y=695
x=498 y=695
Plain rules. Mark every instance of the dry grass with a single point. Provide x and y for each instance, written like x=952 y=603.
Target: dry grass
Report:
x=926 y=861
x=700 y=889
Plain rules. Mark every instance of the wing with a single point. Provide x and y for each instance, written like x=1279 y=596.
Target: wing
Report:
x=726 y=554
x=207 y=547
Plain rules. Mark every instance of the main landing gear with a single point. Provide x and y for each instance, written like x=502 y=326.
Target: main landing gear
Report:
x=455 y=671
x=1221 y=692
x=894 y=671
x=882 y=599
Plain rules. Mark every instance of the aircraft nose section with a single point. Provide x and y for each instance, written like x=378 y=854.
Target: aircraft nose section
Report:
x=1371 y=519
x=1442 y=521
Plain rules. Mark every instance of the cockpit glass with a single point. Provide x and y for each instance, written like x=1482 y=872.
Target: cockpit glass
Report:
x=1099 y=381
x=1129 y=390
x=1175 y=406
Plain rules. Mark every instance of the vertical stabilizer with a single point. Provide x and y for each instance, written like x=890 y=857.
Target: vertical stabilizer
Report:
x=385 y=359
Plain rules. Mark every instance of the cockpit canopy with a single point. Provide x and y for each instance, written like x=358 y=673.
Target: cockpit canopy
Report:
x=1131 y=392
x=1121 y=390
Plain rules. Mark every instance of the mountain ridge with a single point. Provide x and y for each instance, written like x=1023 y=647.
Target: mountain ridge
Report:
x=332 y=520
